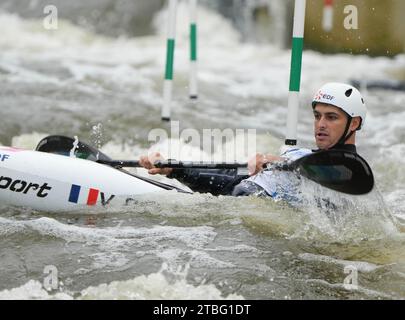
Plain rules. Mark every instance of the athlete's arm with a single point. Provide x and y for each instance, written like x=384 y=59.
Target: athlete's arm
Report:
x=214 y=181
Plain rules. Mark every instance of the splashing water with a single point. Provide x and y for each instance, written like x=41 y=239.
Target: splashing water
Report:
x=73 y=150
x=165 y=284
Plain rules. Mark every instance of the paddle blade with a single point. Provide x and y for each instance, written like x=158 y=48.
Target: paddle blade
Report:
x=338 y=170
x=66 y=146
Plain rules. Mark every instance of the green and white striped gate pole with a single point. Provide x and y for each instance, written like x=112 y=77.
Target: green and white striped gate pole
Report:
x=295 y=72
x=168 y=83
x=193 y=50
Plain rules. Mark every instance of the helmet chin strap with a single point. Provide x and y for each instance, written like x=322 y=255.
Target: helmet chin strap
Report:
x=345 y=136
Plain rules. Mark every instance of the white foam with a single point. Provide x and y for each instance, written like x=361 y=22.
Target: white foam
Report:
x=361 y=266
x=113 y=244
x=164 y=284
x=156 y=286
x=199 y=259
x=210 y=23
x=28 y=141
x=113 y=237
x=32 y=290
x=360 y=289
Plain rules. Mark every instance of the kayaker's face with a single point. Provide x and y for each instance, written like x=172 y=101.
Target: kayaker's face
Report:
x=329 y=125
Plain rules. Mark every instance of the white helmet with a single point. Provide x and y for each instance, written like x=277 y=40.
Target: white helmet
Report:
x=343 y=96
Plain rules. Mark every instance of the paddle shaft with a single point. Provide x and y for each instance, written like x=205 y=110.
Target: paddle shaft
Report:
x=175 y=164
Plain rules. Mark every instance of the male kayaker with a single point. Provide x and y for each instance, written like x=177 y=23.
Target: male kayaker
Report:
x=339 y=111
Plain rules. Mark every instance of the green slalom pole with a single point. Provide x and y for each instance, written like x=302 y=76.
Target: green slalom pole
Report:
x=193 y=50
x=168 y=82
x=295 y=72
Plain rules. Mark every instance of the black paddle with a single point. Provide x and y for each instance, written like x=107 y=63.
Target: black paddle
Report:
x=338 y=170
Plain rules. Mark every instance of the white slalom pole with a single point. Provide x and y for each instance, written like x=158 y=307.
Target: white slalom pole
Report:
x=193 y=50
x=295 y=72
x=327 y=18
x=168 y=82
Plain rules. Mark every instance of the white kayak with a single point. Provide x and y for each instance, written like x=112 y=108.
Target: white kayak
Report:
x=51 y=182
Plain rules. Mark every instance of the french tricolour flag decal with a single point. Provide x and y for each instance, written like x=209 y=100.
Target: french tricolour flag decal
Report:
x=83 y=195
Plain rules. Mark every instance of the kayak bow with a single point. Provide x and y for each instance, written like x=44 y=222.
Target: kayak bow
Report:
x=51 y=182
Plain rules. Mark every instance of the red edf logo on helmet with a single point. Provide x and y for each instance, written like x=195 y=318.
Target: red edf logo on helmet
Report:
x=323 y=96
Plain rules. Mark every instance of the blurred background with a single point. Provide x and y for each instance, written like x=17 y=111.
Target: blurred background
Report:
x=127 y=38
x=380 y=25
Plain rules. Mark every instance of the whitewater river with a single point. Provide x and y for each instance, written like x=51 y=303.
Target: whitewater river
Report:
x=108 y=91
